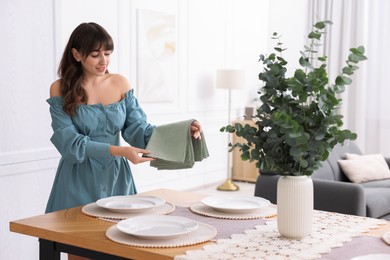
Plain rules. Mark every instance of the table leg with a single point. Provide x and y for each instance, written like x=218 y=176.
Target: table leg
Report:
x=47 y=250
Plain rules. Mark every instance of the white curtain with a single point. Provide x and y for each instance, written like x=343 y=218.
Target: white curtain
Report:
x=366 y=107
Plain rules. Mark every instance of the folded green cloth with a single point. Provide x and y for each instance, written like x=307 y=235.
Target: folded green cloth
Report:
x=174 y=147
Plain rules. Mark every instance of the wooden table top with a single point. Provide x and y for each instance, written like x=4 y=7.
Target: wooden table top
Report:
x=72 y=227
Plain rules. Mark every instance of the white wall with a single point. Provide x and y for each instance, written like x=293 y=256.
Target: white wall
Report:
x=212 y=34
x=26 y=155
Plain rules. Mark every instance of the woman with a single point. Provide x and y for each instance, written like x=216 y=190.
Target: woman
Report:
x=90 y=108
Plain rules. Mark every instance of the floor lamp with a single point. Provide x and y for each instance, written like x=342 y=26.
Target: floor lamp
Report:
x=230 y=79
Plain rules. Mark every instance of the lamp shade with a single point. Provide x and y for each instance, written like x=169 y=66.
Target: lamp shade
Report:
x=230 y=79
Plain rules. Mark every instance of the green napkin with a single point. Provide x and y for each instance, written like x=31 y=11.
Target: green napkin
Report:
x=174 y=147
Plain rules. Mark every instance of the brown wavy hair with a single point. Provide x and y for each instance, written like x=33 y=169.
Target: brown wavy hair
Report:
x=86 y=38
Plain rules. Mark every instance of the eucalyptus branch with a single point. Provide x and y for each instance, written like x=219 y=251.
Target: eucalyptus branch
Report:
x=296 y=123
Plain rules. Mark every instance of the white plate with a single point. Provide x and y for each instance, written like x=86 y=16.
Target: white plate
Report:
x=130 y=203
x=157 y=227
x=239 y=204
x=372 y=257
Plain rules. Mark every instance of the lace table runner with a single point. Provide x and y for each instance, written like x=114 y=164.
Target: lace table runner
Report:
x=225 y=227
x=330 y=230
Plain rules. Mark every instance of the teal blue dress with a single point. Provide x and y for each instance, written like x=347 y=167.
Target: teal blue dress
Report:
x=87 y=171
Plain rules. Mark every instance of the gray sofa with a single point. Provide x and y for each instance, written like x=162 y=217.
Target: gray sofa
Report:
x=334 y=192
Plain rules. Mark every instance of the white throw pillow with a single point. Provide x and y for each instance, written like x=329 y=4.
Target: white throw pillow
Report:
x=379 y=157
x=363 y=168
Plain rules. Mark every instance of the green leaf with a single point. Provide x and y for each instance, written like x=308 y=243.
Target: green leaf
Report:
x=359 y=50
x=303 y=163
x=314 y=35
x=296 y=152
x=282 y=61
x=229 y=129
x=323 y=58
x=238 y=126
x=303 y=139
x=320 y=25
x=261 y=57
x=356 y=57
x=294 y=134
x=343 y=80
x=245 y=156
x=348 y=70
x=300 y=75
x=304 y=62
x=339 y=88
x=255 y=154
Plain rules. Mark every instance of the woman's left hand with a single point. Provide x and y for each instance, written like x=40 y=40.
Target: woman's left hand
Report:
x=196 y=129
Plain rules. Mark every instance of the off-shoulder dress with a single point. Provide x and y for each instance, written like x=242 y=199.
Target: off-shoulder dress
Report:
x=87 y=171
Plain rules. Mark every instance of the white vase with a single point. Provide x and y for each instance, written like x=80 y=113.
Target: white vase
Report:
x=295 y=206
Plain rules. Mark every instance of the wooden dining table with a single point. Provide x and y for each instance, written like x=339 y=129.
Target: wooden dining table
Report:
x=72 y=231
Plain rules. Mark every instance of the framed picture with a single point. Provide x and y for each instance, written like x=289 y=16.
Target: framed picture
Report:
x=156 y=56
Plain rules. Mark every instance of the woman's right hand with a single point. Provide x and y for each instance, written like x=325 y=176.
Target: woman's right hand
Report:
x=133 y=154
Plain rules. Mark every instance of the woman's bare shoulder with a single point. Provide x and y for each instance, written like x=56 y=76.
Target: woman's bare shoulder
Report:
x=55 y=88
x=121 y=82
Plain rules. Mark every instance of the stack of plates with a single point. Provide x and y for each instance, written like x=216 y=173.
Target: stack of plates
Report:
x=157 y=227
x=236 y=204
x=130 y=203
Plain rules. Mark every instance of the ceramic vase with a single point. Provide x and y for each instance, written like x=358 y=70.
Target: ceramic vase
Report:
x=295 y=206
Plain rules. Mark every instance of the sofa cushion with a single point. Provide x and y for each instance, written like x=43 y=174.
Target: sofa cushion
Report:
x=338 y=153
x=363 y=168
x=378 y=183
x=377 y=200
x=378 y=157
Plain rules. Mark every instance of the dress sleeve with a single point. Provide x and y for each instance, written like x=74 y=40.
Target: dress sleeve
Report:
x=73 y=146
x=137 y=130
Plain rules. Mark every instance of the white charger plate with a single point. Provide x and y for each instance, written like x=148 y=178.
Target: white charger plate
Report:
x=130 y=203
x=237 y=204
x=157 y=227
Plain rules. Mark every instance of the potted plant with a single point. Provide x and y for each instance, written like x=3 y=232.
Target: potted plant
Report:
x=298 y=123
